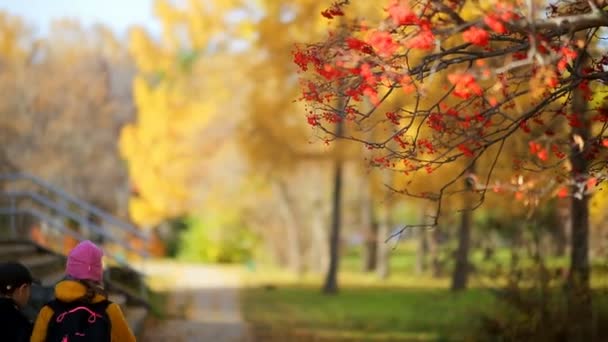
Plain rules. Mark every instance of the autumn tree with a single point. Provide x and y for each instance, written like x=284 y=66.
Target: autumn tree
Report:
x=178 y=93
x=279 y=146
x=274 y=144
x=488 y=57
x=65 y=97
x=12 y=34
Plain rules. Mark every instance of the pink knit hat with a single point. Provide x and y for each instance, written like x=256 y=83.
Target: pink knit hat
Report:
x=84 y=262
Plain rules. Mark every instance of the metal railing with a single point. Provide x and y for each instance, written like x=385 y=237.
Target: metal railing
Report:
x=71 y=200
x=42 y=217
x=54 y=207
x=17 y=197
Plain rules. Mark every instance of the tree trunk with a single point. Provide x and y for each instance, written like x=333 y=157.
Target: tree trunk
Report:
x=434 y=245
x=294 y=252
x=561 y=236
x=579 y=296
x=385 y=225
x=578 y=280
x=384 y=230
x=561 y=240
x=318 y=254
x=461 y=267
x=370 y=229
x=423 y=245
x=319 y=250
x=331 y=280
x=371 y=246
x=422 y=251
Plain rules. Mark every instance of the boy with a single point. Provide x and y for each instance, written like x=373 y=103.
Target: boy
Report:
x=15 y=289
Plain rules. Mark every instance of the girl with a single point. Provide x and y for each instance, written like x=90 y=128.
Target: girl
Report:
x=81 y=310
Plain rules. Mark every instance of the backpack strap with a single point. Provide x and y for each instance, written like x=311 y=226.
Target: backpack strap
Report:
x=100 y=307
x=59 y=306
x=91 y=311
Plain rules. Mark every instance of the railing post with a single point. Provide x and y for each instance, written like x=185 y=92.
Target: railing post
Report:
x=12 y=218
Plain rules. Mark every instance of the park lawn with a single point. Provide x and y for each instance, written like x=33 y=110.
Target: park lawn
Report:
x=280 y=308
x=404 y=307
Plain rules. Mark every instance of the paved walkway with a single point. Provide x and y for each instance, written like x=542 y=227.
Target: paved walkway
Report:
x=202 y=305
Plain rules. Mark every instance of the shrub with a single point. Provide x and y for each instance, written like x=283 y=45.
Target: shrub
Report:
x=534 y=307
x=221 y=238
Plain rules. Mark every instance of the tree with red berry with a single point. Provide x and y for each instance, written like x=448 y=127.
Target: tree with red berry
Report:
x=476 y=76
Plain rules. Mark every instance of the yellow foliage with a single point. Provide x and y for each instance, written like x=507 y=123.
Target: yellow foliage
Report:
x=598 y=206
x=12 y=32
x=282 y=137
x=165 y=147
x=148 y=57
x=161 y=149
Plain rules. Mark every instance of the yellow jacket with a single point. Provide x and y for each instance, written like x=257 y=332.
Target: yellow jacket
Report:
x=69 y=291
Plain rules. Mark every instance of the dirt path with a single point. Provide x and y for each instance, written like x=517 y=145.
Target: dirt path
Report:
x=202 y=305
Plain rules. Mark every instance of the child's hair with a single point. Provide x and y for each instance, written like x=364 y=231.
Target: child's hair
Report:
x=93 y=288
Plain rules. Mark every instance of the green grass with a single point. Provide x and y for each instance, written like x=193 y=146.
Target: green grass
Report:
x=404 y=307
x=158 y=303
x=158 y=295
x=360 y=314
x=403 y=259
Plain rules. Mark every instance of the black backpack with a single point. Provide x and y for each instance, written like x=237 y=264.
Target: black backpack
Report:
x=77 y=321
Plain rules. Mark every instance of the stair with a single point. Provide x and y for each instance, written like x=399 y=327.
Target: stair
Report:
x=10 y=252
x=49 y=267
x=42 y=264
